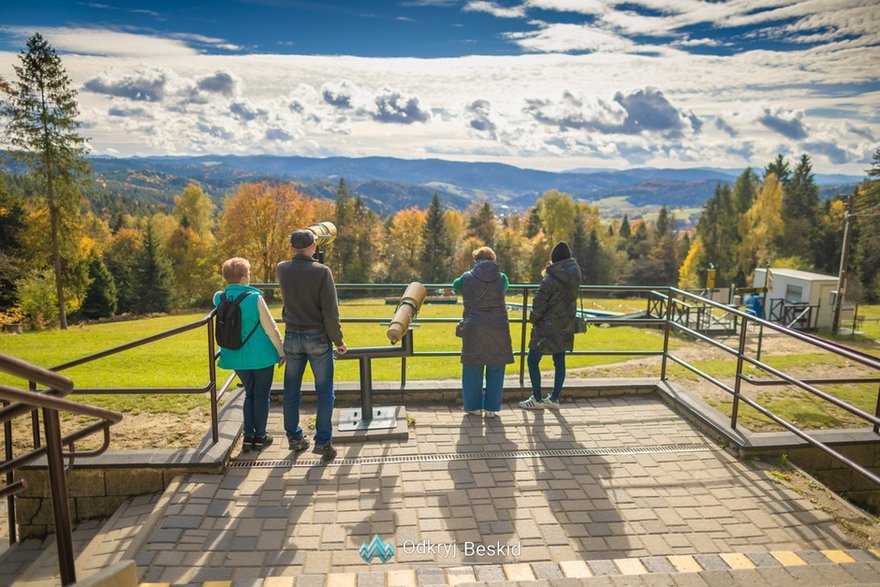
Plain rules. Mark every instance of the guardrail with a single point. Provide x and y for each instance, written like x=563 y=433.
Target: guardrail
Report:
x=666 y=307
x=17 y=402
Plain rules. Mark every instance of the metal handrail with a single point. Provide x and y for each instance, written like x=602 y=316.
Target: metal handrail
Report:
x=861 y=358
x=51 y=403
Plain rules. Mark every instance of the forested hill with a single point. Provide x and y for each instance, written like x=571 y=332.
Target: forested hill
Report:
x=388 y=184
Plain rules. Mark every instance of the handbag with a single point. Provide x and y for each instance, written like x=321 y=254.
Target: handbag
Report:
x=580 y=323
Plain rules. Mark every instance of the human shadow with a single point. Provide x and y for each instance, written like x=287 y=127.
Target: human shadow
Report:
x=582 y=518
x=480 y=510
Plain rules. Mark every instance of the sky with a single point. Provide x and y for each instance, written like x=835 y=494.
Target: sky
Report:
x=543 y=84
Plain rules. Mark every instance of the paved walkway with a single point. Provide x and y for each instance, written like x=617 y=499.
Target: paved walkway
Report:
x=606 y=478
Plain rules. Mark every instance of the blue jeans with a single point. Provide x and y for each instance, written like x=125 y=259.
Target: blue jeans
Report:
x=472 y=387
x=534 y=360
x=312 y=347
x=257 y=385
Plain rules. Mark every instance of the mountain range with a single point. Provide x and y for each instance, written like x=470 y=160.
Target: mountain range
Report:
x=388 y=184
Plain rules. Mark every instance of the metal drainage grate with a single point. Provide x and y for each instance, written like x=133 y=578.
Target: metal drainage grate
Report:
x=473 y=456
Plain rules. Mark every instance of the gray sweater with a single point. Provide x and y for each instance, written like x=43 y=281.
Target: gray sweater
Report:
x=309 y=294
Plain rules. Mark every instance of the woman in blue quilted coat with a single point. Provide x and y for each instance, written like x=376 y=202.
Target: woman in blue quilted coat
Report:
x=485 y=336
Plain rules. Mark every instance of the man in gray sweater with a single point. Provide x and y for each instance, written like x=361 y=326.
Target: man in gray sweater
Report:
x=312 y=329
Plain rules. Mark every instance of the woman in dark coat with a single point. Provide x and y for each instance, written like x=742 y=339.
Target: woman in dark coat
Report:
x=553 y=324
x=485 y=343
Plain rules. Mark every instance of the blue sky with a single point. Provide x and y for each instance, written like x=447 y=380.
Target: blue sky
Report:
x=550 y=84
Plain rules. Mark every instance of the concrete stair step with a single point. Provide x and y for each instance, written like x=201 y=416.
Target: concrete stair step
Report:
x=754 y=569
x=97 y=544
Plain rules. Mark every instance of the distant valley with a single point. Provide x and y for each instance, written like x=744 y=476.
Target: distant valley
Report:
x=388 y=184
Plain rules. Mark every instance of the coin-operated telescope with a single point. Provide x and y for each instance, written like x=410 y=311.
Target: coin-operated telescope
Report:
x=407 y=309
x=325 y=233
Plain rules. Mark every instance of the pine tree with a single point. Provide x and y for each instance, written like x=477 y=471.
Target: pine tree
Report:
x=437 y=254
x=780 y=168
x=625 y=230
x=533 y=225
x=12 y=217
x=800 y=210
x=153 y=285
x=42 y=126
x=866 y=242
x=483 y=225
x=580 y=244
x=343 y=244
x=100 y=299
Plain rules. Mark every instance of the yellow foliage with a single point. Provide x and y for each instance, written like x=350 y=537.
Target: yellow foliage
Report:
x=688 y=273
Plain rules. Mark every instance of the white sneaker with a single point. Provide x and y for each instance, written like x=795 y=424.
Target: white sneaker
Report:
x=532 y=404
x=551 y=404
x=474 y=412
x=490 y=414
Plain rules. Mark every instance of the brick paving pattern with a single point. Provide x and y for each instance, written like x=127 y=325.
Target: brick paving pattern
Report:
x=621 y=513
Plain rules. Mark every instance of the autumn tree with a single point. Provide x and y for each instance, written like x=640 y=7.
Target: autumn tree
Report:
x=12 y=262
x=762 y=227
x=257 y=221
x=404 y=245
x=557 y=211
x=42 y=126
x=192 y=248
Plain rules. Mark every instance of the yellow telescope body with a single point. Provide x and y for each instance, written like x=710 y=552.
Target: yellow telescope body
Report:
x=325 y=232
x=407 y=309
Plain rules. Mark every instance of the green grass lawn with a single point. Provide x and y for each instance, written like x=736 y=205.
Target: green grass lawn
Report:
x=182 y=360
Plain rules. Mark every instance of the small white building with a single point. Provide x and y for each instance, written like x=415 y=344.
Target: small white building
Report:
x=801 y=299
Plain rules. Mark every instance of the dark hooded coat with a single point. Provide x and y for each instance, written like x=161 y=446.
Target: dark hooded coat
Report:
x=554 y=308
x=485 y=331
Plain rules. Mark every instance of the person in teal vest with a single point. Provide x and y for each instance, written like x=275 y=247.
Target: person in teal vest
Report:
x=255 y=361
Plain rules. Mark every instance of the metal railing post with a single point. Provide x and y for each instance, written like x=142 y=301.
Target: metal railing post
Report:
x=522 y=342
x=667 y=326
x=877 y=412
x=35 y=417
x=212 y=376
x=60 y=504
x=10 y=478
x=741 y=349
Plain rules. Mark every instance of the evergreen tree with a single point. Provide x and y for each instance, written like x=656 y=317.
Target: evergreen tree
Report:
x=745 y=190
x=483 y=225
x=153 y=285
x=866 y=241
x=717 y=231
x=42 y=126
x=592 y=264
x=625 y=231
x=12 y=217
x=800 y=209
x=343 y=244
x=437 y=254
x=664 y=223
x=123 y=248
x=533 y=225
x=780 y=168
x=100 y=299
x=580 y=244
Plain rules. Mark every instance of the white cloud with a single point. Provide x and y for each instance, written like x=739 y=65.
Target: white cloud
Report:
x=494 y=9
x=565 y=38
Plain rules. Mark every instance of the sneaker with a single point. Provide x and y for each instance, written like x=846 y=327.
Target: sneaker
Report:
x=490 y=414
x=297 y=444
x=550 y=403
x=261 y=442
x=247 y=444
x=473 y=412
x=532 y=404
x=327 y=451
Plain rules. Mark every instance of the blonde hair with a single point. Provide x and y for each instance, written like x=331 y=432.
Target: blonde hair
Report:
x=483 y=253
x=235 y=269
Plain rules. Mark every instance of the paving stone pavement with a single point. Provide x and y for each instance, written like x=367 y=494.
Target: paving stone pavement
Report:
x=637 y=497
